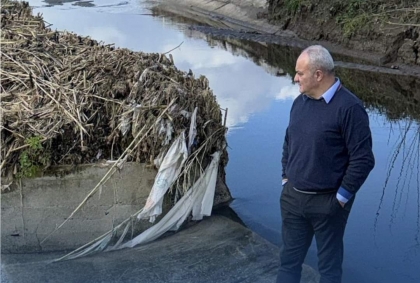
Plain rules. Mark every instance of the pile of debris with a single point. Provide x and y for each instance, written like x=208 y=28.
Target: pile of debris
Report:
x=68 y=99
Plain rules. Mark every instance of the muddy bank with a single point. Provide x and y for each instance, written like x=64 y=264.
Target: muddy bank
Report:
x=387 y=27
x=251 y=20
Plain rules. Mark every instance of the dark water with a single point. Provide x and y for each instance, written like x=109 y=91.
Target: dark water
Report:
x=383 y=234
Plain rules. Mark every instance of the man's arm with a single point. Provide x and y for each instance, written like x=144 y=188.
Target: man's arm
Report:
x=285 y=157
x=358 y=139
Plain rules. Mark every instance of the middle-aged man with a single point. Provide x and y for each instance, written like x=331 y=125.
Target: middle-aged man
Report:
x=327 y=156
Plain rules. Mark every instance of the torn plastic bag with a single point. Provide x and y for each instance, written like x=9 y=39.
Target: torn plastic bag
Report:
x=198 y=199
x=168 y=172
x=193 y=130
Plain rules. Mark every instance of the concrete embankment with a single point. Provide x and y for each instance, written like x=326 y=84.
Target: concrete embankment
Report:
x=35 y=207
x=233 y=14
x=215 y=250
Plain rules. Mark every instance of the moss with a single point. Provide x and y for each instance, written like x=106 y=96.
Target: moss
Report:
x=34 y=159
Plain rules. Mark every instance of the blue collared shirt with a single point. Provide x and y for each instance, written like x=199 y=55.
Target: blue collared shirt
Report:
x=329 y=94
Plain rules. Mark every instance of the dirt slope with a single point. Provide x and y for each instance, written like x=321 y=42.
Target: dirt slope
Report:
x=388 y=27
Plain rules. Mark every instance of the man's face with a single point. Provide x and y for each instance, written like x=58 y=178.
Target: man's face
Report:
x=305 y=77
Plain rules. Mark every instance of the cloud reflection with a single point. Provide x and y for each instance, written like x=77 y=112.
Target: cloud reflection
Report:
x=107 y=34
x=288 y=92
x=240 y=85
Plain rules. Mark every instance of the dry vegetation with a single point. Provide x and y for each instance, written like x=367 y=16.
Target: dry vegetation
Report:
x=68 y=99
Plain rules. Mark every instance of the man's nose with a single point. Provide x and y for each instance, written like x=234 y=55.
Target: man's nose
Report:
x=296 y=79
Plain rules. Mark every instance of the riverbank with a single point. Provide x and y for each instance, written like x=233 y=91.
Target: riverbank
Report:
x=252 y=21
x=389 y=28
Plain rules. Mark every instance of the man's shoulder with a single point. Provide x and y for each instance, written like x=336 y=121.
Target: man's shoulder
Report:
x=347 y=98
x=298 y=99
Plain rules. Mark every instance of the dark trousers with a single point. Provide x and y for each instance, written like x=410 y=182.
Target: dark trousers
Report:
x=306 y=215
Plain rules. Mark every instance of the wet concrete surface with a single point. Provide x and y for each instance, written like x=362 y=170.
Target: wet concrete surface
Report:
x=215 y=250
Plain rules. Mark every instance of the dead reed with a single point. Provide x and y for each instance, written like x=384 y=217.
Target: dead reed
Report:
x=68 y=99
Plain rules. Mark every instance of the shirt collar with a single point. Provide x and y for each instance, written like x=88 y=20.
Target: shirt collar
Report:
x=329 y=94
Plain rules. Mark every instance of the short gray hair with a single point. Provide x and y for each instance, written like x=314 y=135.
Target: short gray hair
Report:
x=320 y=58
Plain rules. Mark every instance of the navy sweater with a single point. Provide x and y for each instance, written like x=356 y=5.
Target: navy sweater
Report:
x=328 y=146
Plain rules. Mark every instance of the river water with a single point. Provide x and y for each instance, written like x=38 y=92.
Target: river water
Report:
x=253 y=81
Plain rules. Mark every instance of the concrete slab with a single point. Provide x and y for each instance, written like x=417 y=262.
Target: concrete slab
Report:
x=32 y=210
x=215 y=250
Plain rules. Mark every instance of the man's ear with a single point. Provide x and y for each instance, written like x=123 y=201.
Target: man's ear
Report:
x=319 y=75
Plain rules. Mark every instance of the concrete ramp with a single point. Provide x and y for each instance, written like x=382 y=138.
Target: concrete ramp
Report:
x=215 y=250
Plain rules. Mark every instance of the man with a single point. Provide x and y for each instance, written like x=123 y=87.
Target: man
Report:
x=327 y=156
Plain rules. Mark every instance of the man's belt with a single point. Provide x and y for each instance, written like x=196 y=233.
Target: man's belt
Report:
x=317 y=192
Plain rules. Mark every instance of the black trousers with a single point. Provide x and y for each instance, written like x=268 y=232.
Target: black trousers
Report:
x=306 y=215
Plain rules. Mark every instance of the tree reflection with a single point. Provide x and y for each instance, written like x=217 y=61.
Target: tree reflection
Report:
x=82 y=3
x=407 y=150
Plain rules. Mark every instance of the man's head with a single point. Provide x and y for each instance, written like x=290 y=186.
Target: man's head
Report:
x=314 y=71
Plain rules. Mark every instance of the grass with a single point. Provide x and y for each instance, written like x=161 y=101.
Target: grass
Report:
x=293 y=6
x=351 y=25
x=353 y=16
x=356 y=16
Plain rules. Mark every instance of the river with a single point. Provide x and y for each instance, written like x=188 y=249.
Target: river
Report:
x=254 y=82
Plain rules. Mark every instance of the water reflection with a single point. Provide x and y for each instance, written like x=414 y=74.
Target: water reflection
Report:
x=256 y=92
x=407 y=150
x=75 y=2
x=78 y=3
x=389 y=92
x=51 y=3
x=396 y=96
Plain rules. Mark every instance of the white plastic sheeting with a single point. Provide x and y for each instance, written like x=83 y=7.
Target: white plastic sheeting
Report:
x=198 y=200
x=166 y=128
x=193 y=130
x=168 y=172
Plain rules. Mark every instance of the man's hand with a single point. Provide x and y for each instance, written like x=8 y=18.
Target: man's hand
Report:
x=342 y=203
